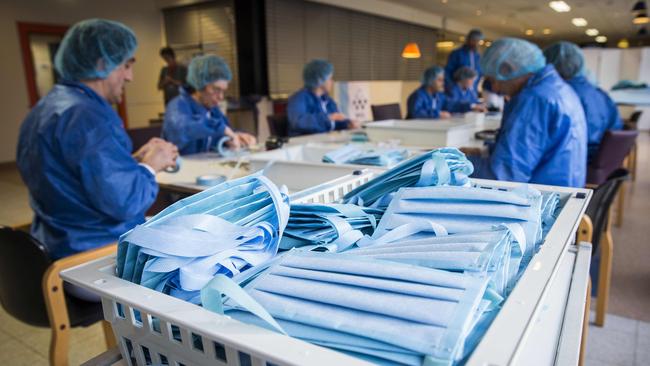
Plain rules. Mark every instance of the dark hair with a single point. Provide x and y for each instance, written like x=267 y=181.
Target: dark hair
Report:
x=167 y=51
x=464 y=73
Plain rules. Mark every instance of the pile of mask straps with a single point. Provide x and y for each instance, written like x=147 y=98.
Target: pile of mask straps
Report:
x=419 y=254
x=375 y=156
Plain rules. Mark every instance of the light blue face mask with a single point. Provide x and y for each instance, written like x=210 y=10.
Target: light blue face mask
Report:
x=550 y=205
x=351 y=154
x=447 y=166
x=496 y=253
x=349 y=303
x=225 y=229
x=333 y=227
x=467 y=209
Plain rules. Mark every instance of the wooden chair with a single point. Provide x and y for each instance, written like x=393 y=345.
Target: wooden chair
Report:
x=31 y=290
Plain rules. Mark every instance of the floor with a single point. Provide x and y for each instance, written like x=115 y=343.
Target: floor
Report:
x=624 y=340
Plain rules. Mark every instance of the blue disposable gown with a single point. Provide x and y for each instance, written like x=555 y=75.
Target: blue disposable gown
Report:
x=308 y=113
x=421 y=104
x=75 y=158
x=459 y=100
x=600 y=111
x=191 y=126
x=462 y=56
x=543 y=136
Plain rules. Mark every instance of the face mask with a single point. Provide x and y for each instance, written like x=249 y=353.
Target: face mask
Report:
x=226 y=229
x=447 y=166
x=332 y=227
x=467 y=209
x=351 y=154
x=348 y=303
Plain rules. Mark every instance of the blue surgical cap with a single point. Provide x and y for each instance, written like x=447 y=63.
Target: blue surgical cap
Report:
x=91 y=41
x=510 y=58
x=464 y=73
x=567 y=58
x=316 y=72
x=207 y=69
x=430 y=75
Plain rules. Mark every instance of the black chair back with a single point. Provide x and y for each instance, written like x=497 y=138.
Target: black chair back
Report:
x=632 y=122
x=386 y=111
x=613 y=149
x=23 y=262
x=598 y=209
x=278 y=125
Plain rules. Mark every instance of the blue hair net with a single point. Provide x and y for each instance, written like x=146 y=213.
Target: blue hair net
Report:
x=567 y=58
x=207 y=69
x=430 y=74
x=510 y=58
x=316 y=72
x=90 y=41
x=464 y=73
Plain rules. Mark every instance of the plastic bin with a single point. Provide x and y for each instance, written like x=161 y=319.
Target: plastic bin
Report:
x=555 y=279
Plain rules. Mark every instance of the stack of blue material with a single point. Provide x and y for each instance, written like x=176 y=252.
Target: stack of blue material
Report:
x=383 y=312
x=352 y=154
x=447 y=166
x=223 y=230
x=334 y=227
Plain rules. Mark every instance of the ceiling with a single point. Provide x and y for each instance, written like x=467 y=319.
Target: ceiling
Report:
x=613 y=18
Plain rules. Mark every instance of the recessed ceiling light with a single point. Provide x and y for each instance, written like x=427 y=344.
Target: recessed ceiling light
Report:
x=559 y=6
x=445 y=44
x=601 y=39
x=623 y=43
x=546 y=31
x=529 y=32
x=592 y=32
x=579 y=22
x=444 y=1
x=488 y=44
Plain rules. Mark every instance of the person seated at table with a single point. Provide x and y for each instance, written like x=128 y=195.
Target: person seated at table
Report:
x=311 y=109
x=429 y=101
x=85 y=187
x=600 y=110
x=193 y=120
x=543 y=129
x=462 y=97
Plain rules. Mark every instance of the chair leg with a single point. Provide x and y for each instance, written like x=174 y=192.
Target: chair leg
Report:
x=621 y=204
x=633 y=157
x=585 y=230
x=109 y=337
x=604 y=274
x=585 y=326
x=58 y=316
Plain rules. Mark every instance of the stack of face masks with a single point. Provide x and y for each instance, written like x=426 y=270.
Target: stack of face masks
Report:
x=495 y=253
x=466 y=210
x=351 y=154
x=550 y=205
x=333 y=227
x=380 y=311
x=223 y=230
x=447 y=166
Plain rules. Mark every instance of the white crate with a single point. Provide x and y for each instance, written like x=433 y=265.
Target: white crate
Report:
x=420 y=132
x=296 y=177
x=312 y=154
x=507 y=339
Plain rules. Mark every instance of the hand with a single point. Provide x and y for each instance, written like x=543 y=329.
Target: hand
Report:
x=142 y=151
x=247 y=139
x=445 y=115
x=354 y=124
x=479 y=107
x=336 y=116
x=471 y=151
x=160 y=155
x=235 y=142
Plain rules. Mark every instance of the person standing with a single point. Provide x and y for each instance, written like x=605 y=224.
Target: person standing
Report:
x=466 y=55
x=172 y=76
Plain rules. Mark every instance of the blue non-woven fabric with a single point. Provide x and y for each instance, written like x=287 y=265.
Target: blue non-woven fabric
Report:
x=351 y=154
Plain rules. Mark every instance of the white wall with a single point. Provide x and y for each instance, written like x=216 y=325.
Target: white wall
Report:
x=143 y=16
x=388 y=92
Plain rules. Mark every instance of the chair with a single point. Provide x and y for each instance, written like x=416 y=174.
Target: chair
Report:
x=386 y=111
x=612 y=153
x=140 y=136
x=278 y=125
x=32 y=291
x=632 y=124
x=601 y=238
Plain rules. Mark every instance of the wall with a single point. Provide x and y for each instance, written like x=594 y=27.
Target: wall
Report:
x=143 y=16
x=388 y=92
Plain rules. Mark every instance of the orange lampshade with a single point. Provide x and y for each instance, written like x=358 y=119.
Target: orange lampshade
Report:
x=411 y=50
